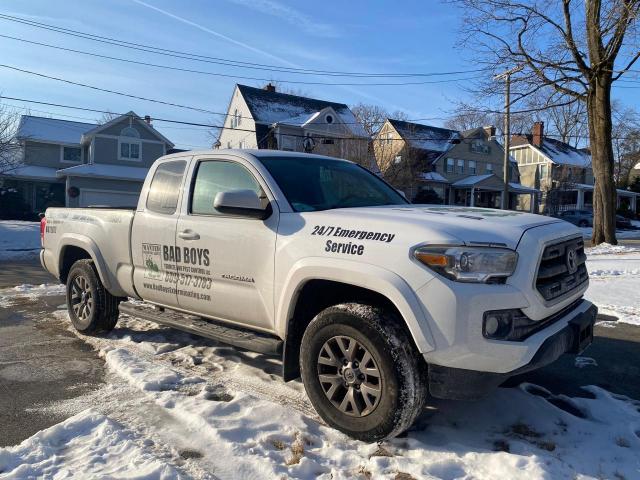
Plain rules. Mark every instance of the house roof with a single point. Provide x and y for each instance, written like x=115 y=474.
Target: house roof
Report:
x=425 y=137
x=32 y=172
x=272 y=107
x=472 y=180
x=104 y=170
x=86 y=136
x=560 y=152
x=51 y=129
x=433 y=177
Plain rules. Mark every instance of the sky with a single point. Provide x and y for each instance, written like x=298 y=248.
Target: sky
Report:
x=354 y=36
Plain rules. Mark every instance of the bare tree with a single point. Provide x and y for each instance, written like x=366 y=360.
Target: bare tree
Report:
x=372 y=117
x=625 y=133
x=106 y=117
x=577 y=49
x=466 y=118
x=10 y=157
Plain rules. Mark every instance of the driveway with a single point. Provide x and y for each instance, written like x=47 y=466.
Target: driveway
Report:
x=40 y=361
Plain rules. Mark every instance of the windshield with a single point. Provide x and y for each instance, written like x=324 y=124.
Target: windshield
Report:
x=312 y=184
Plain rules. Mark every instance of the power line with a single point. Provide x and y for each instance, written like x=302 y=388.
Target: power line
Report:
x=219 y=60
x=217 y=74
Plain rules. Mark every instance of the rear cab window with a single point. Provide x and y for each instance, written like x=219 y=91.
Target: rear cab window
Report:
x=164 y=190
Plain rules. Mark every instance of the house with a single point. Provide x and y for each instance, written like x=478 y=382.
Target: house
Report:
x=438 y=165
x=265 y=118
x=563 y=173
x=77 y=164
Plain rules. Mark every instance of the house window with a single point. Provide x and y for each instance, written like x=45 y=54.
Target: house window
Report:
x=129 y=150
x=398 y=159
x=460 y=168
x=72 y=154
x=288 y=144
x=489 y=168
x=328 y=118
x=472 y=167
x=450 y=165
x=544 y=171
x=478 y=146
x=235 y=118
x=129 y=147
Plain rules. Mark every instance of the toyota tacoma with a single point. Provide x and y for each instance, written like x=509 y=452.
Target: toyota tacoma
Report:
x=376 y=303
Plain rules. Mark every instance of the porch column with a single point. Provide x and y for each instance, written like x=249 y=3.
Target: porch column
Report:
x=472 y=200
x=634 y=204
x=580 y=204
x=532 y=205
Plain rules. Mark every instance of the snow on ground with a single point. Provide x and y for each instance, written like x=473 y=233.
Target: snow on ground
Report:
x=587 y=232
x=28 y=293
x=19 y=239
x=614 y=283
x=175 y=405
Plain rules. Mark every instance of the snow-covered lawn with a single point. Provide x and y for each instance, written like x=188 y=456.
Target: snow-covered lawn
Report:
x=19 y=239
x=177 y=406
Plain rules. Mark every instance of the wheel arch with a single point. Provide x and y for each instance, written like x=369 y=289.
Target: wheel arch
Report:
x=312 y=287
x=77 y=247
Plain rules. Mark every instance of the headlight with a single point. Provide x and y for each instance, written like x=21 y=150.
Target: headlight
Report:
x=469 y=264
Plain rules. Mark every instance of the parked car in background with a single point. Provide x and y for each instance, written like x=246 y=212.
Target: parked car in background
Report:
x=581 y=218
x=584 y=218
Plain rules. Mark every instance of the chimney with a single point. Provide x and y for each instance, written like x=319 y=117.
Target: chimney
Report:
x=147 y=119
x=537 y=134
x=490 y=131
x=269 y=87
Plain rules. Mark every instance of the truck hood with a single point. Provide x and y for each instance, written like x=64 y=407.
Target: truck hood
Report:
x=433 y=223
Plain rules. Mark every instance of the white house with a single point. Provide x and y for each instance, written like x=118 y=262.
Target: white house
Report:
x=265 y=118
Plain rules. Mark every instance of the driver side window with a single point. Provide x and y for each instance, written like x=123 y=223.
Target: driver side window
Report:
x=213 y=176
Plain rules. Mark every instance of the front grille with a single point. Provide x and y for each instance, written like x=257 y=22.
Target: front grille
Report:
x=561 y=271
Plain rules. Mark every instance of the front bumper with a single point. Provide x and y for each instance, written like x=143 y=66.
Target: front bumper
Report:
x=463 y=384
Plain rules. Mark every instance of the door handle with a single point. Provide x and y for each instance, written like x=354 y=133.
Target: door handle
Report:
x=188 y=235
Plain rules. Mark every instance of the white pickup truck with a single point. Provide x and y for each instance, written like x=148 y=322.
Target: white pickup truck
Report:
x=374 y=302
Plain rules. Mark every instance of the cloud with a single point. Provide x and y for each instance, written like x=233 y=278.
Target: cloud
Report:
x=290 y=15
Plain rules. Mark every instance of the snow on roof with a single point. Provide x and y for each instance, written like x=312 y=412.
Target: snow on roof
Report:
x=472 y=180
x=273 y=107
x=102 y=170
x=51 y=129
x=520 y=187
x=558 y=152
x=32 y=172
x=425 y=137
x=637 y=166
x=433 y=177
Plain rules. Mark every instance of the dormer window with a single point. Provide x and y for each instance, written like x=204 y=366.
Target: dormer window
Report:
x=71 y=154
x=328 y=118
x=129 y=145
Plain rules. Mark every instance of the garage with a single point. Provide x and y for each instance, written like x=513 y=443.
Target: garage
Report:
x=107 y=198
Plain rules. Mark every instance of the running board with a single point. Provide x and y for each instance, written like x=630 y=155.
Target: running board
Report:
x=231 y=335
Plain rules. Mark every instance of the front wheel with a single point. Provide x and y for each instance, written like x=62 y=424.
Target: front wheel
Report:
x=91 y=307
x=361 y=371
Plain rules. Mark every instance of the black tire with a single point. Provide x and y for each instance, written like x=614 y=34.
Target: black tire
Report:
x=402 y=386
x=91 y=308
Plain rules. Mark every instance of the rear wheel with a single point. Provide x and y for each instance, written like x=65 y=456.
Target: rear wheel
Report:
x=91 y=308
x=361 y=371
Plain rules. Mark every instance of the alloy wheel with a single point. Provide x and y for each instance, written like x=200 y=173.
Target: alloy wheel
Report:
x=349 y=376
x=81 y=298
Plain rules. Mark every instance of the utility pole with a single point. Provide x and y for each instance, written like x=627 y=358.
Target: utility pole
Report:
x=507 y=133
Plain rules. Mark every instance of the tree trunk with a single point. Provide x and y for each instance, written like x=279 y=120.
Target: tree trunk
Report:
x=602 y=160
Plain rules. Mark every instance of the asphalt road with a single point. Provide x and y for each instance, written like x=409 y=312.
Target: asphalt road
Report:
x=41 y=361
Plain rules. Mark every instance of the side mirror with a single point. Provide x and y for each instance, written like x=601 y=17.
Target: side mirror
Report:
x=243 y=203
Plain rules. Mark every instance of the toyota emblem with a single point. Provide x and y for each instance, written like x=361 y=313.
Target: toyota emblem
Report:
x=572 y=265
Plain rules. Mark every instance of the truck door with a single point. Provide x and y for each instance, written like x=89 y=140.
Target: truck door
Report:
x=227 y=262
x=153 y=236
